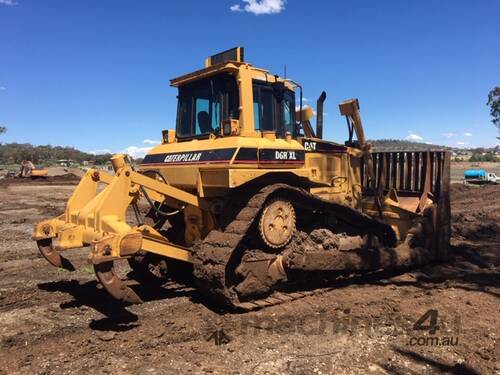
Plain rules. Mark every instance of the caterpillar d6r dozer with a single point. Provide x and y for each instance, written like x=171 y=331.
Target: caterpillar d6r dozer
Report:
x=251 y=200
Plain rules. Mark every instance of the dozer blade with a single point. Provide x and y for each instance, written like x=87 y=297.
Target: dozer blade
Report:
x=105 y=272
x=52 y=256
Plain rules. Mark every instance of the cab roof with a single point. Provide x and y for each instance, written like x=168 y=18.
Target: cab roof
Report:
x=228 y=61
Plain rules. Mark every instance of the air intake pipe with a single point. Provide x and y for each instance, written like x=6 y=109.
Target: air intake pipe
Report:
x=319 y=115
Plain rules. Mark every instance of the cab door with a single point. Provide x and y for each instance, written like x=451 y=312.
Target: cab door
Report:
x=274 y=117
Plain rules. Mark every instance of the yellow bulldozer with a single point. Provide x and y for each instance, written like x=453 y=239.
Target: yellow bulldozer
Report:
x=249 y=199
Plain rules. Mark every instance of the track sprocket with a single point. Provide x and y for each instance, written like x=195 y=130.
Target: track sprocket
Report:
x=277 y=223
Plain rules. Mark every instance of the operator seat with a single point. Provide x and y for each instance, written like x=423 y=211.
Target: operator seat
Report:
x=204 y=122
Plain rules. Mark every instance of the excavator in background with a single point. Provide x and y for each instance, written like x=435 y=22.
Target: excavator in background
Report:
x=250 y=201
x=28 y=169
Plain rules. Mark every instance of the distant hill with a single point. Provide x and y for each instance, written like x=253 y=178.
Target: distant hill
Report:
x=403 y=145
x=14 y=153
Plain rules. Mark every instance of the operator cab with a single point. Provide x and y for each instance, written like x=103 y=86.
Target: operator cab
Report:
x=232 y=98
x=210 y=98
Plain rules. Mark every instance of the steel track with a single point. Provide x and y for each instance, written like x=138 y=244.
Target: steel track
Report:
x=216 y=257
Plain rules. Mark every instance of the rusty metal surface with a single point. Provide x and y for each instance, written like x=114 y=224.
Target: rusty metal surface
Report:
x=52 y=256
x=407 y=171
x=113 y=284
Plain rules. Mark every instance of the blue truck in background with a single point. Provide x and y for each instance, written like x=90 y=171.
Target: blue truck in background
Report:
x=480 y=177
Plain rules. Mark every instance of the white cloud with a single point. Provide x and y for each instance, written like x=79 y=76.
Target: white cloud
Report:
x=8 y=2
x=258 y=7
x=151 y=142
x=449 y=135
x=468 y=134
x=133 y=151
x=413 y=137
x=461 y=143
x=136 y=152
x=100 y=152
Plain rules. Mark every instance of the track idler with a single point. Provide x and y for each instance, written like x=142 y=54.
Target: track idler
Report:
x=53 y=256
x=105 y=273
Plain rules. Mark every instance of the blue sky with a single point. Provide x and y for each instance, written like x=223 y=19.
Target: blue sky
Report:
x=95 y=74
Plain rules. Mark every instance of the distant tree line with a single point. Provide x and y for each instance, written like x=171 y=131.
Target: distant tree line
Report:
x=482 y=154
x=14 y=153
x=488 y=156
x=403 y=145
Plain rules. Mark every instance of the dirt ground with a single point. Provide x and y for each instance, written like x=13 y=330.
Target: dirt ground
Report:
x=54 y=321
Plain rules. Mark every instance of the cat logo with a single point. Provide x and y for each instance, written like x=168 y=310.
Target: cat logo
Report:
x=310 y=146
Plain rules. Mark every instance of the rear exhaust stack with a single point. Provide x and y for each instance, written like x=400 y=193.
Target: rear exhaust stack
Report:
x=319 y=115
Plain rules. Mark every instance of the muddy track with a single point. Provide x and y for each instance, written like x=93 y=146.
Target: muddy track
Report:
x=225 y=253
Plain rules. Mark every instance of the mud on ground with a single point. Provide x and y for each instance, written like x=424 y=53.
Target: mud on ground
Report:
x=53 y=321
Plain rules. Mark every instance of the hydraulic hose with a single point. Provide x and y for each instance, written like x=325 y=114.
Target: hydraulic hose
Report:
x=146 y=195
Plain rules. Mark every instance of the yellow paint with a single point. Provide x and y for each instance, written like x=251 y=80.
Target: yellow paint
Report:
x=97 y=218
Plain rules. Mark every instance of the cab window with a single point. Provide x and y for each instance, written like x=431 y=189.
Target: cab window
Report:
x=207 y=115
x=204 y=104
x=264 y=108
x=289 y=115
x=273 y=112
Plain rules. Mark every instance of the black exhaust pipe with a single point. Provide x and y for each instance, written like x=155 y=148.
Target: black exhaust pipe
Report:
x=319 y=115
